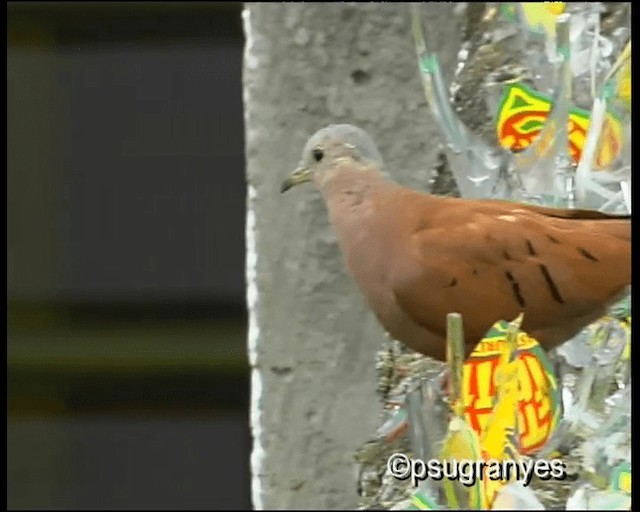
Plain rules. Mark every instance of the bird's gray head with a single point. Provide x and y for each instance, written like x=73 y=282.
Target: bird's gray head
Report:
x=329 y=144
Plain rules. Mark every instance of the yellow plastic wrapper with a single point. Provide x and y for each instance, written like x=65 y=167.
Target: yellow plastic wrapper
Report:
x=538 y=16
x=522 y=113
x=624 y=84
x=622 y=72
x=621 y=478
x=461 y=444
x=541 y=16
x=422 y=501
x=497 y=438
x=538 y=403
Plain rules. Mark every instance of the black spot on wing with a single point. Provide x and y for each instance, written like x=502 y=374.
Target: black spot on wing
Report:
x=553 y=239
x=555 y=293
x=515 y=287
x=530 y=248
x=587 y=254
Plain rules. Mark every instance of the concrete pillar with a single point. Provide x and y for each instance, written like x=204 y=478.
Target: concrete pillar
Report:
x=312 y=340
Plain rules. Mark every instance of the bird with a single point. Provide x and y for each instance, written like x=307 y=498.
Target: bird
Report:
x=417 y=257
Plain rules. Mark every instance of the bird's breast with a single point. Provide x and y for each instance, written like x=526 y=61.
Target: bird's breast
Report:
x=370 y=244
x=368 y=258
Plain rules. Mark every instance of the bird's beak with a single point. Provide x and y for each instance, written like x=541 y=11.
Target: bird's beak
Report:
x=300 y=175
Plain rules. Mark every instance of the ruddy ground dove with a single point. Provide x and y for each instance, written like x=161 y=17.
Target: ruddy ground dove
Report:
x=417 y=257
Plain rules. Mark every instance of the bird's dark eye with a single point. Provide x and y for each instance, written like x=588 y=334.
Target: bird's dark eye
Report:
x=318 y=154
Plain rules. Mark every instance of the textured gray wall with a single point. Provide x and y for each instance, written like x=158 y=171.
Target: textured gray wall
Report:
x=312 y=340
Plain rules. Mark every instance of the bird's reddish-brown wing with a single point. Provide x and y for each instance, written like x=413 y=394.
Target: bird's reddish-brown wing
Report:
x=491 y=261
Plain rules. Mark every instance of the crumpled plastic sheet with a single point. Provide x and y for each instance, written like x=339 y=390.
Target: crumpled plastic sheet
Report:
x=498 y=52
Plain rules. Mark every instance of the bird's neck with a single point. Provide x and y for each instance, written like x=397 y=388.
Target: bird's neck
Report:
x=352 y=201
x=350 y=188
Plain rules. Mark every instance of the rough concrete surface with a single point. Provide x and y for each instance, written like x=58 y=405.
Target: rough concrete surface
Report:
x=312 y=340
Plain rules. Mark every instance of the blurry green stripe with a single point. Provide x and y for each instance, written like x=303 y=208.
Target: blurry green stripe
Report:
x=148 y=348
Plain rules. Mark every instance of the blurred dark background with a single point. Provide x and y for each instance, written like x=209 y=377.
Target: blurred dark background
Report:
x=127 y=376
